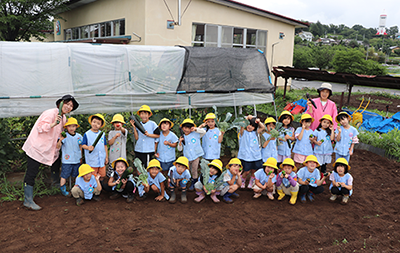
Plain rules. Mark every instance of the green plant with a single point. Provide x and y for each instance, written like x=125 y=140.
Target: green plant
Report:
x=389 y=142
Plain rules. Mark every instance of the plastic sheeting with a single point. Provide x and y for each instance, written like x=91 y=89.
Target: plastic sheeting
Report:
x=103 y=79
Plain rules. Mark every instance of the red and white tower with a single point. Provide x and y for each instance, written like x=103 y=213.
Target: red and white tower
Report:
x=382 y=25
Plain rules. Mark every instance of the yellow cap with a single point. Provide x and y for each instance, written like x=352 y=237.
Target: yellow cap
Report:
x=286 y=113
x=85 y=169
x=341 y=113
x=188 y=121
x=182 y=160
x=235 y=161
x=216 y=163
x=118 y=118
x=311 y=158
x=288 y=161
x=306 y=116
x=269 y=120
x=120 y=159
x=209 y=116
x=343 y=161
x=144 y=108
x=154 y=163
x=326 y=116
x=166 y=120
x=271 y=162
x=72 y=121
x=97 y=115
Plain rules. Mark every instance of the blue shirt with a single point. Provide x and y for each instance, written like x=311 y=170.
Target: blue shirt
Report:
x=97 y=157
x=175 y=174
x=130 y=178
x=87 y=187
x=263 y=177
x=71 y=153
x=249 y=147
x=270 y=150
x=285 y=181
x=228 y=177
x=210 y=144
x=304 y=174
x=303 y=146
x=342 y=147
x=326 y=147
x=157 y=181
x=192 y=148
x=146 y=144
x=284 y=149
x=166 y=152
x=347 y=179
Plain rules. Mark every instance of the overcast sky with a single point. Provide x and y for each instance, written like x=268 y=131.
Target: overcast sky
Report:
x=348 y=12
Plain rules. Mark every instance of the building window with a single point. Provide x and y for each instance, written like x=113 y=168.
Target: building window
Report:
x=208 y=35
x=106 y=29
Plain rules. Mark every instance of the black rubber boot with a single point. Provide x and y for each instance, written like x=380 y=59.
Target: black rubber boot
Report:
x=28 y=201
x=172 y=199
x=183 y=196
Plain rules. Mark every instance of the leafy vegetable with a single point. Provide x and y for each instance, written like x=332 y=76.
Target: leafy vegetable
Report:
x=283 y=172
x=239 y=122
x=279 y=130
x=63 y=134
x=222 y=125
x=127 y=173
x=142 y=178
x=205 y=172
x=96 y=140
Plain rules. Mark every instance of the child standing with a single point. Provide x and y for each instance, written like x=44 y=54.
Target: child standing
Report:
x=145 y=143
x=96 y=157
x=165 y=145
x=155 y=181
x=250 y=150
x=323 y=136
x=287 y=181
x=117 y=140
x=192 y=149
x=346 y=137
x=87 y=186
x=284 y=150
x=211 y=141
x=265 y=179
x=269 y=147
x=304 y=135
x=341 y=181
x=215 y=172
x=127 y=186
x=71 y=149
x=178 y=177
x=310 y=179
x=232 y=180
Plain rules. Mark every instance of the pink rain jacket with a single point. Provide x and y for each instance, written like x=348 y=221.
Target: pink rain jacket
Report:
x=42 y=140
x=329 y=108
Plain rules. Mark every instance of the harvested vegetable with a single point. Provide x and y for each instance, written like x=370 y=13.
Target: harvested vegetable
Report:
x=311 y=136
x=60 y=110
x=283 y=172
x=127 y=173
x=63 y=134
x=96 y=140
x=205 y=172
x=183 y=135
x=222 y=125
x=312 y=102
x=137 y=123
x=279 y=130
x=142 y=178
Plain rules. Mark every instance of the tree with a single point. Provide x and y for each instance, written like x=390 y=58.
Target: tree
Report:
x=302 y=57
x=323 y=56
x=24 y=19
x=348 y=61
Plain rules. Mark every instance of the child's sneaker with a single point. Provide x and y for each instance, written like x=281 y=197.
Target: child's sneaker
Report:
x=256 y=195
x=251 y=183
x=226 y=198
x=333 y=198
x=270 y=195
x=140 y=198
x=125 y=196
x=303 y=198
x=235 y=195
x=310 y=196
x=64 y=191
x=243 y=183
x=345 y=200
x=79 y=201
x=130 y=198
x=96 y=198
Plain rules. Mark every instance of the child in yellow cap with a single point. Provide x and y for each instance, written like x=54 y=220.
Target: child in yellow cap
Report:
x=304 y=135
x=346 y=137
x=341 y=181
x=96 y=156
x=121 y=181
x=179 y=175
x=71 y=150
x=286 y=181
x=87 y=186
x=285 y=150
x=165 y=145
x=310 y=179
x=211 y=141
x=232 y=180
x=265 y=179
x=323 y=137
x=117 y=140
x=155 y=183
x=215 y=172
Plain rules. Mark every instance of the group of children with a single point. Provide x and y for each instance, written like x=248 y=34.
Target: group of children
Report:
x=269 y=165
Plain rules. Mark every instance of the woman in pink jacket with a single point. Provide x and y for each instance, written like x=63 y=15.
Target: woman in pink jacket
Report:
x=40 y=147
x=324 y=106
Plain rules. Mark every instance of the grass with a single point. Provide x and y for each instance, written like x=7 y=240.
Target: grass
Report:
x=377 y=101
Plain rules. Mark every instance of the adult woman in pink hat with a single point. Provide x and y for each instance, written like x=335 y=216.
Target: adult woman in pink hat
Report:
x=324 y=106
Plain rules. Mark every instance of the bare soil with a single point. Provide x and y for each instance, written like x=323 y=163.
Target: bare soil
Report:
x=369 y=223
x=376 y=102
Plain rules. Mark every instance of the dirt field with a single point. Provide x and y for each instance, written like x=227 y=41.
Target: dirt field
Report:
x=376 y=102
x=369 y=223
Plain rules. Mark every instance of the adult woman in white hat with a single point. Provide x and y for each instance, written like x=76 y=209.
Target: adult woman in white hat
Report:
x=324 y=106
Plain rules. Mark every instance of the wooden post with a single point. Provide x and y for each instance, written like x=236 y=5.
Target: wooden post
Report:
x=284 y=91
x=341 y=102
x=348 y=98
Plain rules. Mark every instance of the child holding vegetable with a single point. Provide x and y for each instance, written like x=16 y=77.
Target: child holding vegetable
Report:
x=323 y=136
x=346 y=137
x=285 y=150
x=165 y=145
x=286 y=182
x=310 y=179
x=232 y=180
x=154 y=182
x=215 y=171
x=305 y=137
x=71 y=150
x=250 y=150
x=178 y=177
x=117 y=140
x=211 y=141
x=145 y=142
x=192 y=149
x=341 y=181
x=121 y=180
x=87 y=186
x=269 y=148
x=95 y=145
x=265 y=179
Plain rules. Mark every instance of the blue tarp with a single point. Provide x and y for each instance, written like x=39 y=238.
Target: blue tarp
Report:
x=374 y=122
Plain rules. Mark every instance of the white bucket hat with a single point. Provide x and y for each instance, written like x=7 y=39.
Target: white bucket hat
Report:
x=326 y=86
